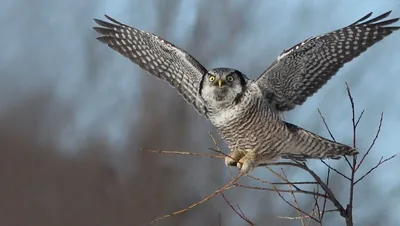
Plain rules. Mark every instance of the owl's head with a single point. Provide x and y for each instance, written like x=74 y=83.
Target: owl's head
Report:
x=221 y=87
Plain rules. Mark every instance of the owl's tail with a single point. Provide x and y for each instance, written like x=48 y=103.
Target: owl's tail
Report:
x=308 y=145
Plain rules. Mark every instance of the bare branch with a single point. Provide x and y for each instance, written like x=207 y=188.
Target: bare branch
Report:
x=335 y=170
x=348 y=215
x=381 y=161
x=240 y=214
x=296 y=208
x=296 y=183
x=317 y=179
x=294 y=198
x=280 y=190
x=304 y=217
x=330 y=133
x=325 y=199
x=326 y=125
x=359 y=117
x=353 y=114
x=218 y=191
x=373 y=142
x=316 y=205
x=185 y=153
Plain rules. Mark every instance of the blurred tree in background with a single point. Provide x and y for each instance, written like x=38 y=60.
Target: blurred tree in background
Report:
x=74 y=115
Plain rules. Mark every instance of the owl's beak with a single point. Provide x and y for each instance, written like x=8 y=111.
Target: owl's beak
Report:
x=220 y=83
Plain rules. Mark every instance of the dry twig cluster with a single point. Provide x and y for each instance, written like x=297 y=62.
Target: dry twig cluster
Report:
x=321 y=192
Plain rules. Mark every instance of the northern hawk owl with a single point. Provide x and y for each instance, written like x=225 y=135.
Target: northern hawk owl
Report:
x=247 y=113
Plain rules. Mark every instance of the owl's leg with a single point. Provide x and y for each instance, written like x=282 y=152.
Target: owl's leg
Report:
x=234 y=157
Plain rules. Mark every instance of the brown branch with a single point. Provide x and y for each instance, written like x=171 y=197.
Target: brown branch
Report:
x=328 y=191
x=296 y=218
x=185 y=153
x=373 y=142
x=296 y=183
x=283 y=178
x=296 y=208
x=325 y=199
x=240 y=214
x=218 y=150
x=359 y=117
x=330 y=133
x=281 y=183
x=334 y=170
x=349 y=208
x=381 y=161
x=316 y=205
x=300 y=191
x=218 y=191
x=294 y=198
x=240 y=210
x=326 y=125
x=353 y=115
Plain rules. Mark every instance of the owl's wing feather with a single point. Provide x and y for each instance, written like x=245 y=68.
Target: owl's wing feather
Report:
x=302 y=70
x=156 y=56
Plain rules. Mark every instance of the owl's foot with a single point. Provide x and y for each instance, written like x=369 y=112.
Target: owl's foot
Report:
x=243 y=159
x=234 y=157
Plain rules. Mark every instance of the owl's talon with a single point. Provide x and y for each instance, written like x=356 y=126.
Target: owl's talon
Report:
x=244 y=160
x=245 y=165
x=234 y=157
x=229 y=161
x=239 y=165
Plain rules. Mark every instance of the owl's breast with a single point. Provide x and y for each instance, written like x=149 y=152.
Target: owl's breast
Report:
x=246 y=124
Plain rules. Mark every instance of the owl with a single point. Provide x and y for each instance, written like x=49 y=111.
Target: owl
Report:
x=248 y=113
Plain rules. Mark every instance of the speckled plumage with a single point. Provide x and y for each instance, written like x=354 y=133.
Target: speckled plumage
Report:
x=247 y=113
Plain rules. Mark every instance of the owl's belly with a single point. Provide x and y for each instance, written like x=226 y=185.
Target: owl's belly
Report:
x=250 y=126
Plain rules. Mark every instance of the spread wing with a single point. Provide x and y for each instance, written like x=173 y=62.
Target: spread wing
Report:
x=301 y=70
x=156 y=56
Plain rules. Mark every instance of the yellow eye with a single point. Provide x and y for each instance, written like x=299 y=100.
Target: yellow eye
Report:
x=211 y=78
x=230 y=78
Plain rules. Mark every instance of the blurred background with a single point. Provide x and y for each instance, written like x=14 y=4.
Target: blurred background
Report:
x=74 y=115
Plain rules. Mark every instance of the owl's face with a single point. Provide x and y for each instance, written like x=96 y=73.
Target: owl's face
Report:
x=222 y=86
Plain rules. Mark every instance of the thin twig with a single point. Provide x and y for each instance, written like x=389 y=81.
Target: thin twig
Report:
x=283 y=178
x=326 y=125
x=353 y=114
x=294 y=198
x=222 y=155
x=381 y=161
x=335 y=170
x=373 y=142
x=296 y=208
x=297 y=218
x=291 y=183
x=240 y=214
x=325 y=199
x=218 y=191
x=218 y=150
x=349 y=208
x=328 y=191
x=330 y=133
x=185 y=153
x=316 y=205
x=300 y=191
x=359 y=117
x=281 y=183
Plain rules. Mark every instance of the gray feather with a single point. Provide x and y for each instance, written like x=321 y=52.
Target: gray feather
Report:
x=303 y=69
x=157 y=56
